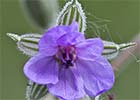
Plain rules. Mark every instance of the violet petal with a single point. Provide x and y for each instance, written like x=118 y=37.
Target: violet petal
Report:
x=97 y=74
x=74 y=27
x=69 y=86
x=42 y=69
x=71 y=39
x=90 y=48
x=47 y=44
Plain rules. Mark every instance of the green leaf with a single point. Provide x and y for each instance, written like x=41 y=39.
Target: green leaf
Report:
x=35 y=91
x=72 y=11
x=111 y=49
x=27 y=43
x=86 y=98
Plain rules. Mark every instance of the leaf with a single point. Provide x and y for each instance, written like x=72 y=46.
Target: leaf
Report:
x=72 y=11
x=86 y=98
x=35 y=91
x=111 y=49
x=27 y=43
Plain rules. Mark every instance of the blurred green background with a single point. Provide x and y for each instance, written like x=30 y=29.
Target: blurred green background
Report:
x=125 y=24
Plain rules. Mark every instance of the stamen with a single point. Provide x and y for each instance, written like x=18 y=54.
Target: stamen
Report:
x=66 y=56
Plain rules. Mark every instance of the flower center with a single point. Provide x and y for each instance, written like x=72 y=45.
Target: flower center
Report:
x=66 y=56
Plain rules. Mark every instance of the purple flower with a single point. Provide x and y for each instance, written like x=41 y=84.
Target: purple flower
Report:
x=70 y=65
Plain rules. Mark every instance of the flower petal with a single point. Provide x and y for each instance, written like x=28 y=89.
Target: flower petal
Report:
x=97 y=74
x=68 y=99
x=69 y=86
x=42 y=69
x=71 y=39
x=47 y=44
x=90 y=48
x=74 y=26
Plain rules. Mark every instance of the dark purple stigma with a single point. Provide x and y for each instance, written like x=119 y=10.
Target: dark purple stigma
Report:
x=66 y=56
